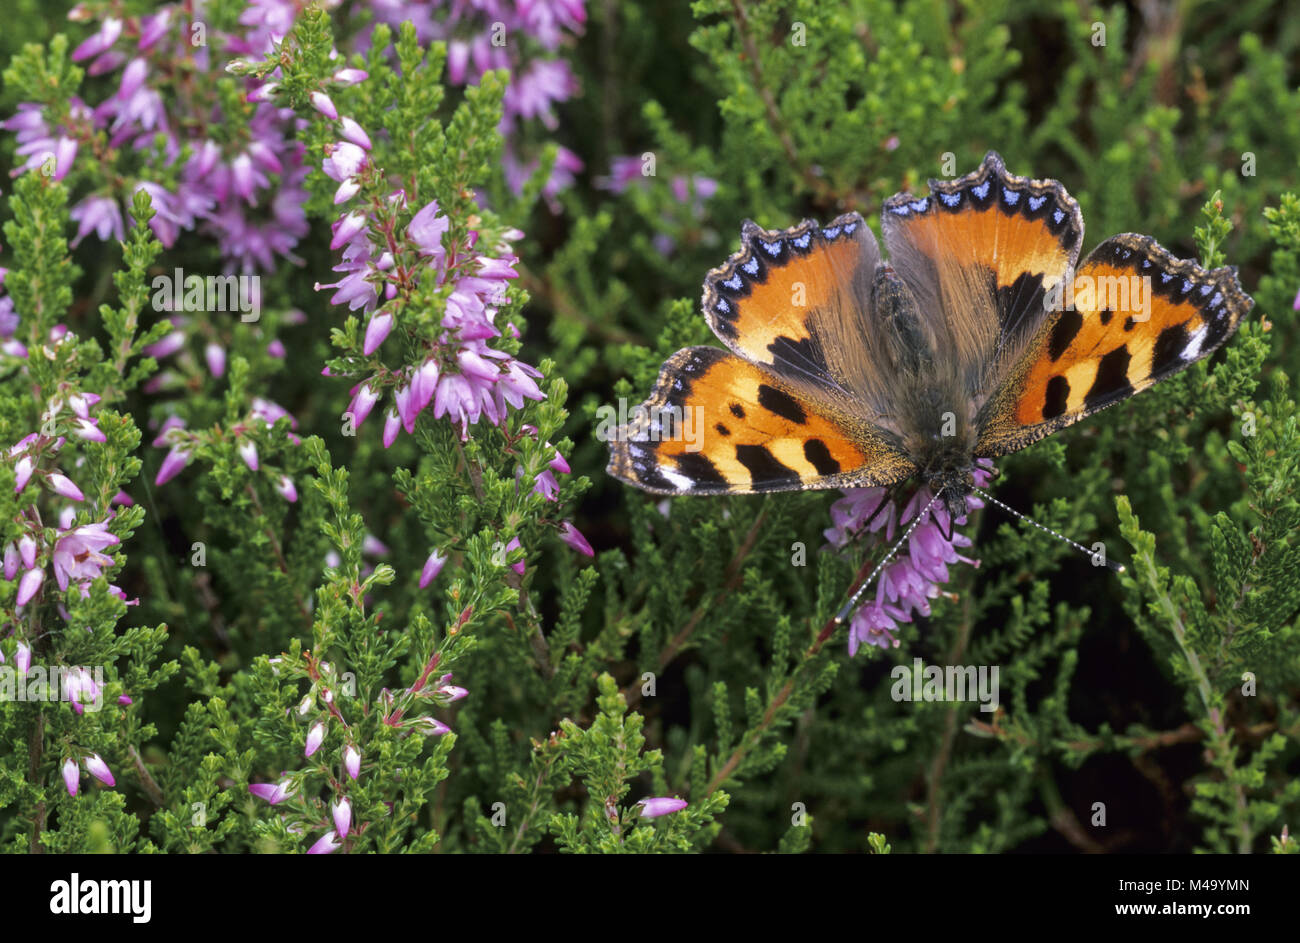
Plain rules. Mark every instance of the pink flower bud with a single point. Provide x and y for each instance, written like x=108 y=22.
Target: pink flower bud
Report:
x=352 y=761
x=71 y=776
x=325 y=845
x=325 y=105
x=27 y=550
x=28 y=586
x=342 y=812
x=23 y=469
x=377 y=331
x=248 y=452
x=99 y=769
x=315 y=737
x=432 y=567
x=23 y=658
x=274 y=793
x=215 y=355
x=653 y=808
x=286 y=489
x=573 y=537
x=64 y=486
x=172 y=466
x=350 y=76
x=355 y=133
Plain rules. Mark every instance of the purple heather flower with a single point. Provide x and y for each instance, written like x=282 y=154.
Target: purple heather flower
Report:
x=71 y=776
x=315 y=737
x=248 y=452
x=377 y=332
x=215 y=355
x=99 y=769
x=23 y=658
x=660 y=805
x=573 y=537
x=274 y=793
x=450 y=692
x=352 y=761
x=906 y=586
x=77 y=555
x=325 y=845
x=28 y=585
x=341 y=810
x=432 y=567
x=63 y=485
x=520 y=565
x=286 y=489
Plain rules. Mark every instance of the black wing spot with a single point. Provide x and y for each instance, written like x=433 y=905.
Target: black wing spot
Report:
x=722 y=430
x=772 y=399
x=1106 y=314
x=1063 y=334
x=1058 y=394
x=819 y=456
x=1168 y=351
x=1112 y=377
x=763 y=465
x=1129 y=323
x=737 y=410
x=698 y=468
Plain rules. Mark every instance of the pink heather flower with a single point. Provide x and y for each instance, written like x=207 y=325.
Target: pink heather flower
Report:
x=286 y=489
x=215 y=355
x=325 y=105
x=79 y=683
x=432 y=567
x=276 y=349
x=660 y=805
x=450 y=692
x=77 y=553
x=88 y=429
x=23 y=658
x=325 y=845
x=274 y=793
x=99 y=769
x=23 y=469
x=64 y=486
x=352 y=761
x=11 y=560
x=315 y=737
x=341 y=810
x=521 y=565
x=426 y=230
x=429 y=727
x=172 y=465
x=363 y=401
x=346 y=77
x=355 y=134
x=573 y=537
x=28 y=586
x=124 y=700
x=906 y=586
x=71 y=776
x=377 y=331
x=248 y=452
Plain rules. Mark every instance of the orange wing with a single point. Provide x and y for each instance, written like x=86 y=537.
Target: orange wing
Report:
x=979 y=254
x=1137 y=316
x=790 y=299
x=718 y=424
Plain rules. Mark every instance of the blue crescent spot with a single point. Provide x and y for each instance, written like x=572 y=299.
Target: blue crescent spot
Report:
x=1146 y=263
x=1058 y=215
x=982 y=191
x=1166 y=277
x=950 y=199
x=802 y=241
x=1217 y=299
x=1187 y=285
x=771 y=248
x=832 y=232
x=1036 y=201
x=849 y=228
x=899 y=210
x=1011 y=197
x=722 y=306
x=919 y=206
x=1206 y=289
x=1127 y=253
x=677 y=384
x=733 y=283
x=751 y=267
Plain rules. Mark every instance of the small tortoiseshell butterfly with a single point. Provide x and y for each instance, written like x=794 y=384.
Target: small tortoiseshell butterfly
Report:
x=976 y=338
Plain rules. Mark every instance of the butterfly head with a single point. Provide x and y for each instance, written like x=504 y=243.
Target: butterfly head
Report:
x=953 y=485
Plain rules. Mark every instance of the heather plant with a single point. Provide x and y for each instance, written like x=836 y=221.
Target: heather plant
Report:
x=312 y=318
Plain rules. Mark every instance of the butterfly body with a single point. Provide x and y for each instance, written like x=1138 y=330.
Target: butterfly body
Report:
x=976 y=338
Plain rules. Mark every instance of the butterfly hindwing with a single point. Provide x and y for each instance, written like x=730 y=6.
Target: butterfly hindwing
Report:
x=785 y=300
x=716 y=423
x=1137 y=316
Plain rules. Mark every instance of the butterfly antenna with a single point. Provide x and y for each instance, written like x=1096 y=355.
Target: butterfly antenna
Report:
x=893 y=551
x=1117 y=567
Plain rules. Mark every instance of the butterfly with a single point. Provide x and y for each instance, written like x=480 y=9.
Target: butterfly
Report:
x=977 y=337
